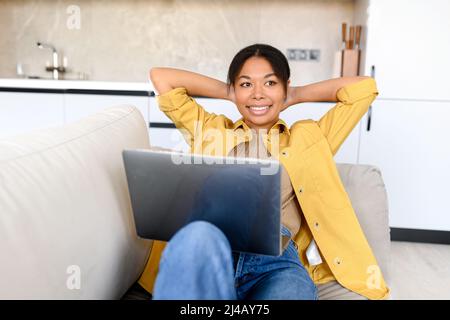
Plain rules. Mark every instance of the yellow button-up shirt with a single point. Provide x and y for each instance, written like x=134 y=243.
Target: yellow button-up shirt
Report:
x=306 y=150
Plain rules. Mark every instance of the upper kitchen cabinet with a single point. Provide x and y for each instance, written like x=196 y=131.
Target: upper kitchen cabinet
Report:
x=407 y=64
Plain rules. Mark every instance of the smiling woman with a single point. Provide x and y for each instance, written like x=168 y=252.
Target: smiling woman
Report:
x=311 y=190
x=259 y=75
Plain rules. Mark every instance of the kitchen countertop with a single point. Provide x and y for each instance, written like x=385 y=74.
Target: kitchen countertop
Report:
x=75 y=86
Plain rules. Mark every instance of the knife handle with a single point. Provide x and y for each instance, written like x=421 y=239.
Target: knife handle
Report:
x=344 y=34
x=358 y=35
x=352 y=34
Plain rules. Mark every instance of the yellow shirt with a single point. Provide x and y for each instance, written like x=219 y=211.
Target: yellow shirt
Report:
x=290 y=209
x=306 y=150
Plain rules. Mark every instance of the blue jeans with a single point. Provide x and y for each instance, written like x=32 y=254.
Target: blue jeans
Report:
x=198 y=263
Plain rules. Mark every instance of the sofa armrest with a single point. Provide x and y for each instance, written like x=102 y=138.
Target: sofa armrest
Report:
x=66 y=224
x=365 y=187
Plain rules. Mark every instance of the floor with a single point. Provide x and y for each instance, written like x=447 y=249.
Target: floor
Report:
x=420 y=271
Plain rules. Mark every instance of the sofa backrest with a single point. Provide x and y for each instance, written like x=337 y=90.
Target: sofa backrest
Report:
x=66 y=224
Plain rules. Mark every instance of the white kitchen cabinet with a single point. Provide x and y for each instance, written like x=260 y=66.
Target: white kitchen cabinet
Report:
x=169 y=138
x=78 y=106
x=21 y=112
x=408 y=43
x=409 y=142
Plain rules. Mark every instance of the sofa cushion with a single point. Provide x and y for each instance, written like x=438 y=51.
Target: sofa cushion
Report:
x=66 y=225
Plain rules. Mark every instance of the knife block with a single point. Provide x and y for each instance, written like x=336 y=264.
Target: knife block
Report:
x=350 y=62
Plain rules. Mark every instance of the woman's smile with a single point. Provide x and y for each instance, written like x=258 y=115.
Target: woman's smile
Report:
x=259 y=110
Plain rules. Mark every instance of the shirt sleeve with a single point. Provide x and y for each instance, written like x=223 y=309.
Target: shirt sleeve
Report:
x=353 y=102
x=187 y=115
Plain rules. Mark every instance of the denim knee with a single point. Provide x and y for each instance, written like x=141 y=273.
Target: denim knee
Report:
x=196 y=264
x=202 y=235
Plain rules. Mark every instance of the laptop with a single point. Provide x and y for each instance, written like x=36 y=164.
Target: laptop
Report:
x=241 y=196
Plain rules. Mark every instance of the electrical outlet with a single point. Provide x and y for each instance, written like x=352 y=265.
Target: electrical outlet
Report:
x=303 y=54
x=314 y=54
x=297 y=54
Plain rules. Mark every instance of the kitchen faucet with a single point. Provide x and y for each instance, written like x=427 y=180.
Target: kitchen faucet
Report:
x=55 y=68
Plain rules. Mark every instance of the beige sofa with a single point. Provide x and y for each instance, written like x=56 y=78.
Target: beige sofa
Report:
x=66 y=225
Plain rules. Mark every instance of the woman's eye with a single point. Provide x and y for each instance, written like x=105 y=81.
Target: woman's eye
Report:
x=245 y=84
x=271 y=83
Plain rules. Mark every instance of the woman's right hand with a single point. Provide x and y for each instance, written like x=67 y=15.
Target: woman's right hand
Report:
x=290 y=98
x=231 y=95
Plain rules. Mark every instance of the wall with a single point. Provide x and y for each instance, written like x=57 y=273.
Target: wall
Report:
x=120 y=40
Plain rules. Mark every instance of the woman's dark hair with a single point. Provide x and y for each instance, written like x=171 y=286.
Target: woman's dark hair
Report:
x=274 y=56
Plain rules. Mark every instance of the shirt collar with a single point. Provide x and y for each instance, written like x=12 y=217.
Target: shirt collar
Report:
x=280 y=124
